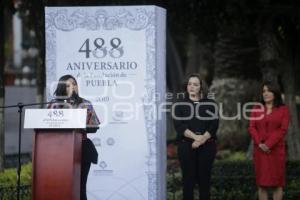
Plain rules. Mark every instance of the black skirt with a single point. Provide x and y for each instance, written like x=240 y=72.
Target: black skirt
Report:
x=89 y=152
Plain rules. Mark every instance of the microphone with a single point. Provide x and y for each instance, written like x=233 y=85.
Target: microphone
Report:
x=74 y=98
x=59 y=102
x=60 y=99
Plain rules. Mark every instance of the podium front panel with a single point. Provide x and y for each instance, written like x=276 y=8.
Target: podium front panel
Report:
x=56 y=164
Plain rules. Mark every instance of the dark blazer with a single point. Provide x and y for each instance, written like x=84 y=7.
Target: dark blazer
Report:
x=198 y=116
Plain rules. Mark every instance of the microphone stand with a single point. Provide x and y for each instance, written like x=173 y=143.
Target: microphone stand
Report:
x=21 y=106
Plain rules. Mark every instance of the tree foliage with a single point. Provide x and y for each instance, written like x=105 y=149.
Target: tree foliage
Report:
x=236 y=40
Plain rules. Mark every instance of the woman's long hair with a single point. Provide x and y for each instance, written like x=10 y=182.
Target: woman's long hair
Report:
x=275 y=89
x=61 y=89
x=203 y=92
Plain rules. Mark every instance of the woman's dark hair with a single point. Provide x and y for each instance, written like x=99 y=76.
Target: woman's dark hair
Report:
x=61 y=89
x=203 y=86
x=275 y=89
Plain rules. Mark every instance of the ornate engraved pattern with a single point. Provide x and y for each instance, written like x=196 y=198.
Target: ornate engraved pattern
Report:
x=100 y=19
x=150 y=110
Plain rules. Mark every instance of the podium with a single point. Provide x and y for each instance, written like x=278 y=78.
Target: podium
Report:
x=56 y=164
x=57 y=143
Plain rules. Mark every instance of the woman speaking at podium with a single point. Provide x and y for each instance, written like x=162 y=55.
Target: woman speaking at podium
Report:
x=67 y=96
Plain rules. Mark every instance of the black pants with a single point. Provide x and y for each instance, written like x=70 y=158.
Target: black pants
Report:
x=85 y=168
x=88 y=155
x=196 y=166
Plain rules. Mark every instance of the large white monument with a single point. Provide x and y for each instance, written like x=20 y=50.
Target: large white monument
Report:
x=117 y=55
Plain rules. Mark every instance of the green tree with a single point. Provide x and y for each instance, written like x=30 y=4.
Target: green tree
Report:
x=6 y=11
x=236 y=71
x=31 y=10
x=279 y=48
x=286 y=39
x=2 y=63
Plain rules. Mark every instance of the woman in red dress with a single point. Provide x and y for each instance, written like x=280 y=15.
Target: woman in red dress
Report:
x=267 y=126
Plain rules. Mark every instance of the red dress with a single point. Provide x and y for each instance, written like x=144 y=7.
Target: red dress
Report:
x=271 y=129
